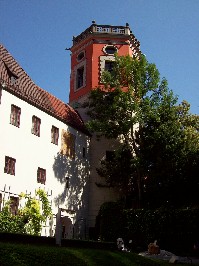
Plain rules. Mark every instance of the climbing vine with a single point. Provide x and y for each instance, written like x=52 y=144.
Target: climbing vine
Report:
x=29 y=218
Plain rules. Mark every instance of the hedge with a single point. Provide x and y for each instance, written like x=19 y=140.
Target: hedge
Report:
x=174 y=229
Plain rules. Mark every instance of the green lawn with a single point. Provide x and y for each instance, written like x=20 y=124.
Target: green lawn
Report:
x=21 y=255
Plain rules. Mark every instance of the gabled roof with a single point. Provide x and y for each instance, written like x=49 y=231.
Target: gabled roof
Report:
x=15 y=80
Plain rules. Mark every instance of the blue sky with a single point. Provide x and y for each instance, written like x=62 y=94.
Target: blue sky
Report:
x=36 y=33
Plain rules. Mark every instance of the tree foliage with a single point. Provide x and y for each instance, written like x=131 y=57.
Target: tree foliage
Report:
x=29 y=218
x=157 y=158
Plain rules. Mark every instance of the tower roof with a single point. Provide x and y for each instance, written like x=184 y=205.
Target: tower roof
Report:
x=15 y=80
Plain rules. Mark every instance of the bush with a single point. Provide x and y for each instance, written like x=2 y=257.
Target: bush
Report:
x=175 y=229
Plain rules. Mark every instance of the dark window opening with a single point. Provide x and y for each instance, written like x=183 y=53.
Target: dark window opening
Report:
x=9 y=165
x=67 y=182
x=36 y=122
x=80 y=56
x=109 y=66
x=80 y=77
x=14 y=203
x=84 y=152
x=41 y=175
x=54 y=135
x=15 y=115
x=110 y=50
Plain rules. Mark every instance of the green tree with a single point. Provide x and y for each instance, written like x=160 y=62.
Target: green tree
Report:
x=29 y=218
x=158 y=137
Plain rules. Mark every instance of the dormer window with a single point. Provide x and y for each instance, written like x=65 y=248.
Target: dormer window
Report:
x=13 y=80
x=80 y=56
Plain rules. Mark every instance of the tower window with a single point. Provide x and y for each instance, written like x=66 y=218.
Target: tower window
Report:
x=109 y=66
x=80 y=77
x=106 y=63
x=110 y=49
x=80 y=56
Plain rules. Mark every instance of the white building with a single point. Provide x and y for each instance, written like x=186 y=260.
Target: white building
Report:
x=43 y=144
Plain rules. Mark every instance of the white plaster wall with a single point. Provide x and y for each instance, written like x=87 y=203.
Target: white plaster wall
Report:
x=32 y=152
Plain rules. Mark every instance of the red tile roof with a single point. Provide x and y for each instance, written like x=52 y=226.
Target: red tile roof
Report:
x=17 y=82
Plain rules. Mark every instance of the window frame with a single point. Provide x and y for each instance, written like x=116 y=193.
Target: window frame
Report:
x=110 y=46
x=9 y=167
x=54 y=135
x=41 y=175
x=15 y=115
x=81 y=56
x=103 y=59
x=77 y=69
x=36 y=124
x=14 y=205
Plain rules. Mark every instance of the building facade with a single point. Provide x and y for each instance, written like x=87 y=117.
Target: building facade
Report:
x=44 y=142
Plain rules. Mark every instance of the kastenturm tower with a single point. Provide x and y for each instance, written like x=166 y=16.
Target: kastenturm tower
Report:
x=93 y=52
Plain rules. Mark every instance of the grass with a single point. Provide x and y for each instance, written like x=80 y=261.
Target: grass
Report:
x=27 y=255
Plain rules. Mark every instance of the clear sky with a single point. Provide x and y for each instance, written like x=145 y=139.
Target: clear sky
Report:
x=36 y=33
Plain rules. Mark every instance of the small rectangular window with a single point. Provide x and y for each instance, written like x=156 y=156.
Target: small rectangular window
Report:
x=14 y=204
x=80 y=77
x=109 y=66
x=54 y=135
x=41 y=175
x=36 y=122
x=15 y=115
x=84 y=152
x=9 y=165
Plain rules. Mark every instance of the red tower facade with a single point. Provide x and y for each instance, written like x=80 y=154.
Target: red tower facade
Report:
x=93 y=52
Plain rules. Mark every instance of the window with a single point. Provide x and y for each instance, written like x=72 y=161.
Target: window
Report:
x=109 y=66
x=80 y=56
x=54 y=135
x=14 y=203
x=68 y=144
x=67 y=182
x=106 y=63
x=80 y=77
x=41 y=175
x=110 y=49
x=15 y=115
x=36 y=122
x=9 y=165
x=84 y=152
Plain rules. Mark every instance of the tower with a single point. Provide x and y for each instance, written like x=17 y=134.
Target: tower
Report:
x=92 y=52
